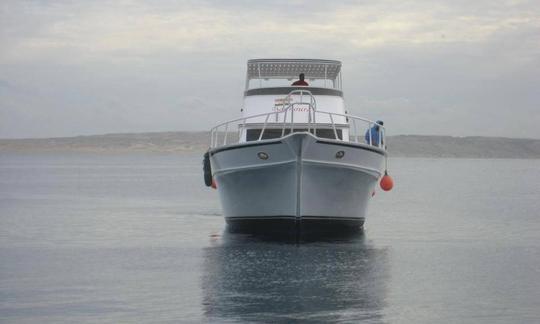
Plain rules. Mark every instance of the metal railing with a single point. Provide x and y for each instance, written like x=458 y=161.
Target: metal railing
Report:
x=358 y=129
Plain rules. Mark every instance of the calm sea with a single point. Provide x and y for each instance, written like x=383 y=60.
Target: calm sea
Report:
x=135 y=238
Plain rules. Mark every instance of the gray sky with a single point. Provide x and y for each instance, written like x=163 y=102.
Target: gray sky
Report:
x=425 y=67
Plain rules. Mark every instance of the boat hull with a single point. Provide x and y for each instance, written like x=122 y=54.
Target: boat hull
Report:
x=298 y=182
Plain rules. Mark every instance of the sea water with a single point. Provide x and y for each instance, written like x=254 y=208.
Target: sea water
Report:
x=138 y=238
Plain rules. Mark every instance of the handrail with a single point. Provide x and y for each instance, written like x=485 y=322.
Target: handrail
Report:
x=312 y=112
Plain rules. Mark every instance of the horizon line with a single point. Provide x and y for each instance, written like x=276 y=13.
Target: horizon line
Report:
x=204 y=131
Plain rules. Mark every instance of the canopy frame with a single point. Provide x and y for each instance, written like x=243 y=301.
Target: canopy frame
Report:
x=313 y=69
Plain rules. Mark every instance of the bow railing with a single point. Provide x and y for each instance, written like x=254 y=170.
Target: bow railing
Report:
x=308 y=119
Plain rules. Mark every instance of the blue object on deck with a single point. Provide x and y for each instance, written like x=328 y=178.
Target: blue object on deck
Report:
x=375 y=134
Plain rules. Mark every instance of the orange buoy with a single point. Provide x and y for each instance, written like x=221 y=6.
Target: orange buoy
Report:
x=214 y=184
x=386 y=182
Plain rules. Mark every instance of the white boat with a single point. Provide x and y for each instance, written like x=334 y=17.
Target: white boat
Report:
x=295 y=160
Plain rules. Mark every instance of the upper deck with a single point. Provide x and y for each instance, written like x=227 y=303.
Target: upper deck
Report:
x=273 y=106
x=274 y=76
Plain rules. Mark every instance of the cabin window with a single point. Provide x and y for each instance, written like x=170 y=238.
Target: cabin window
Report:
x=269 y=133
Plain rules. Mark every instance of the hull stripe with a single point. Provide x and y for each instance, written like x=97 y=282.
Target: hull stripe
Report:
x=292 y=218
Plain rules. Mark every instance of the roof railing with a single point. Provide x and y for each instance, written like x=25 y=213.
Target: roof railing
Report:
x=313 y=69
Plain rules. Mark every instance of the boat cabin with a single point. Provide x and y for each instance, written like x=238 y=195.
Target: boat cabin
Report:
x=271 y=101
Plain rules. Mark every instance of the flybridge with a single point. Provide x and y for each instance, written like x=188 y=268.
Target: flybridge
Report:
x=271 y=88
x=320 y=73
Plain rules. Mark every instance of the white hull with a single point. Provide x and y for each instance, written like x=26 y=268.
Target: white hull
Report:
x=302 y=181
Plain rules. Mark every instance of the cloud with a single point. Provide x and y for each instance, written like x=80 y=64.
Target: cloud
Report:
x=111 y=30
x=144 y=64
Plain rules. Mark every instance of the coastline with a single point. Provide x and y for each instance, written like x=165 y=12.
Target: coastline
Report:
x=193 y=142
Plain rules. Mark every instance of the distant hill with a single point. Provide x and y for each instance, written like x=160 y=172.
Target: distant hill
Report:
x=135 y=142
x=463 y=147
x=401 y=145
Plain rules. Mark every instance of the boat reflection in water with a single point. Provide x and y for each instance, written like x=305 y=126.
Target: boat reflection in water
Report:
x=253 y=279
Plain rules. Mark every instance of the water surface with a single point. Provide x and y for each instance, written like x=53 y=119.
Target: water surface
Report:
x=137 y=238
